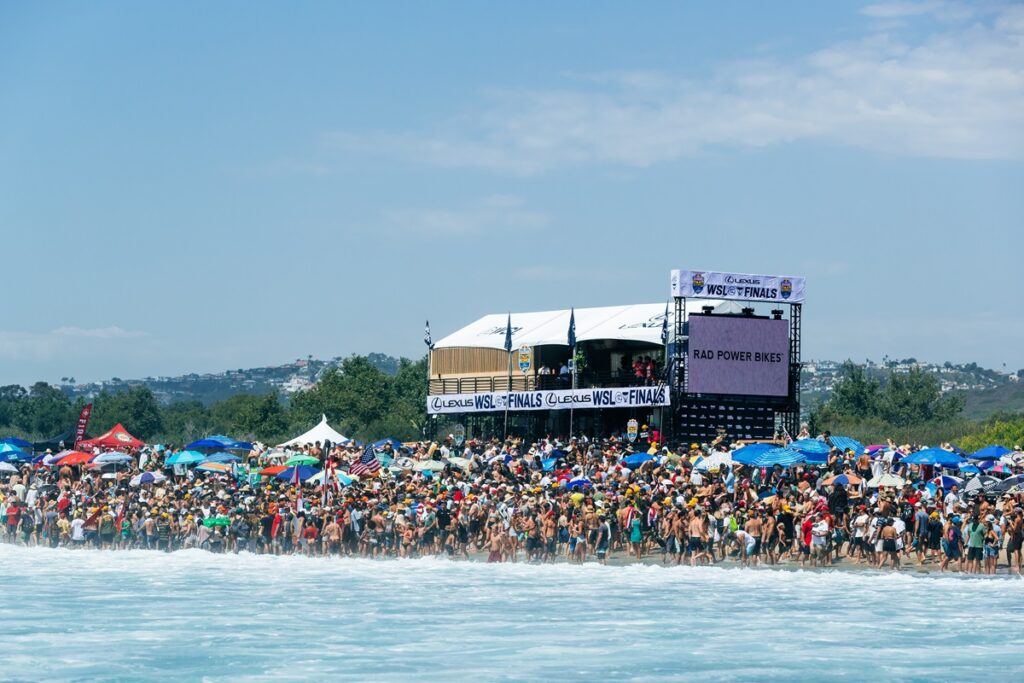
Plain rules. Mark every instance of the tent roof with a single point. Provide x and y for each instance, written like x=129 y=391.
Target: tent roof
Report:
x=322 y=432
x=118 y=437
x=636 y=322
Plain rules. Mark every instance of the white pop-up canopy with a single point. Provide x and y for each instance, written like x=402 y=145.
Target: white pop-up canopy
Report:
x=322 y=432
x=639 y=322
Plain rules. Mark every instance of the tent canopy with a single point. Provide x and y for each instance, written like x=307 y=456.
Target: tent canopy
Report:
x=118 y=437
x=637 y=322
x=322 y=432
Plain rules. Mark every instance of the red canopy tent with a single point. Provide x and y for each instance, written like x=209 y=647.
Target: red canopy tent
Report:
x=118 y=437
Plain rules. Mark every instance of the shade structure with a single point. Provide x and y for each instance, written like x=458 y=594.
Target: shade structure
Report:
x=7 y=467
x=302 y=472
x=184 y=458
x=636 y=459
x=982 y=484
x=886 y=479
x=216 y=467
x=813 y=450
x=748 y=454
x=223 y=457
x=17 y=442
x=786 y=457
x=992 y=452
x=11 y=453
x=947 y=482
x=340 y=477
x=715 y=461
x=395 y=443
x=118 y=437
x=933 y=456
x=76 y=458
x=321 y=432
x=147 y=478
x=112 y=457
x=272 y=470
x=845 y=444
x=219 y=442
x=844 y=480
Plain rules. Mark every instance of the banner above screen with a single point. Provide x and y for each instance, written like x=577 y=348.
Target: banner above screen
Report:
x=707 y=284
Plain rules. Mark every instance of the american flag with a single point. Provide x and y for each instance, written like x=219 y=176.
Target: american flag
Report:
x=367 y=464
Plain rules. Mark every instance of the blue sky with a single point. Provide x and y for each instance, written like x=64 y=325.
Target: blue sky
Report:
x=201 y=186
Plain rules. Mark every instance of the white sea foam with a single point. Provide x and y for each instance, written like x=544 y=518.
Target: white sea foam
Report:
x=192 y=615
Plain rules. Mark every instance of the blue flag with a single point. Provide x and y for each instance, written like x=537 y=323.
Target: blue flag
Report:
x=664 y=328
x=572 y=329
x=508 y=334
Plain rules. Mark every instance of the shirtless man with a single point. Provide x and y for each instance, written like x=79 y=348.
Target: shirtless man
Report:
x=332 y=536
x=754 y=528
x=547 y=535
x=698 y=532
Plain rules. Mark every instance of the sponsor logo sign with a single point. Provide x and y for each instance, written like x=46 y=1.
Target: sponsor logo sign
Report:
x=612 y=397
x=706 y=284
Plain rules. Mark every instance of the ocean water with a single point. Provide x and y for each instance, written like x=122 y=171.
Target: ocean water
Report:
x=87 y=615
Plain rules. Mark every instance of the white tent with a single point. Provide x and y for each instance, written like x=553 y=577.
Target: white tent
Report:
x=639 y=322
x=322 y=432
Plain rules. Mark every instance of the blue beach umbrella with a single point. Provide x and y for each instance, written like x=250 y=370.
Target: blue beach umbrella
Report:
x=15 y=441
x=579 y=483
x=9 y=453
x=112 y=457
x=305 y=472
x=636 y=459
x=814 y=450
x=548 y=464
x=223 y=457
x=786 y=457
x=845 y=443
x=933 y=456
x=747 y=454
x=947 y=482
x=184 y=458
x=992 y=452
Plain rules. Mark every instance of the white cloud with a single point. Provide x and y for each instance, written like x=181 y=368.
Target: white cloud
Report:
x=113 y=332
x=956 y=93
x=491 y=214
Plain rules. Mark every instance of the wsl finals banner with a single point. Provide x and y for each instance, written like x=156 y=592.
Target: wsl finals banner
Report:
x=708 y=284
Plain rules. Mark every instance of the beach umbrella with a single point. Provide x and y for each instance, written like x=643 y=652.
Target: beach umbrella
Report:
x=403 y=463
x=982 y=484
x=429 y=466
x=111 y=457
x=747 y=454
x=991 y=452
x=341 y=478
x=461 y=463
x=1009 y=483
x=886 y=479
x=810 y=447
x=273 y=470
x=147 y=478
x=875 y=447
x=844 y=480
x=636 y=460
x=395 y=443
x=11 y=453
x=75 y=458
x=717 y=460
x=786 y=457
x=933 y=456
x=289 y=473
x=845 y=443
x=184 y=458
x=16 y=442
x=947 y=482
x=301 y=459
x=215 y=467
x=53 y=458
x=7 y=467
x=579 y=483
x=971 y=468
x=223 y=457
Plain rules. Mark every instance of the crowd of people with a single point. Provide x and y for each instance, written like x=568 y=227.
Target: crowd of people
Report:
x=512 y=500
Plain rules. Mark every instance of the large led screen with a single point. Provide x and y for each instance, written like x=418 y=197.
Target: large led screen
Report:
x=745 y=356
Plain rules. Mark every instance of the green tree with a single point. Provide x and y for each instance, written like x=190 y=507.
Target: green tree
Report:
x=137 y=409
x=854 y=395
x=185 y=421
x=260 y=417
x=915 y=397
x=45 y=410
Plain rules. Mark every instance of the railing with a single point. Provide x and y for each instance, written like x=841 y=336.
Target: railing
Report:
x=586 y=379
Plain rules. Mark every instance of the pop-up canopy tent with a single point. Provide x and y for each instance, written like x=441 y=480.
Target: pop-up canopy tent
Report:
x=322 y=432
x=118 y=437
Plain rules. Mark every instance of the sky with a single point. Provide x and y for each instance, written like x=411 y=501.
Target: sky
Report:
x=197 y=186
